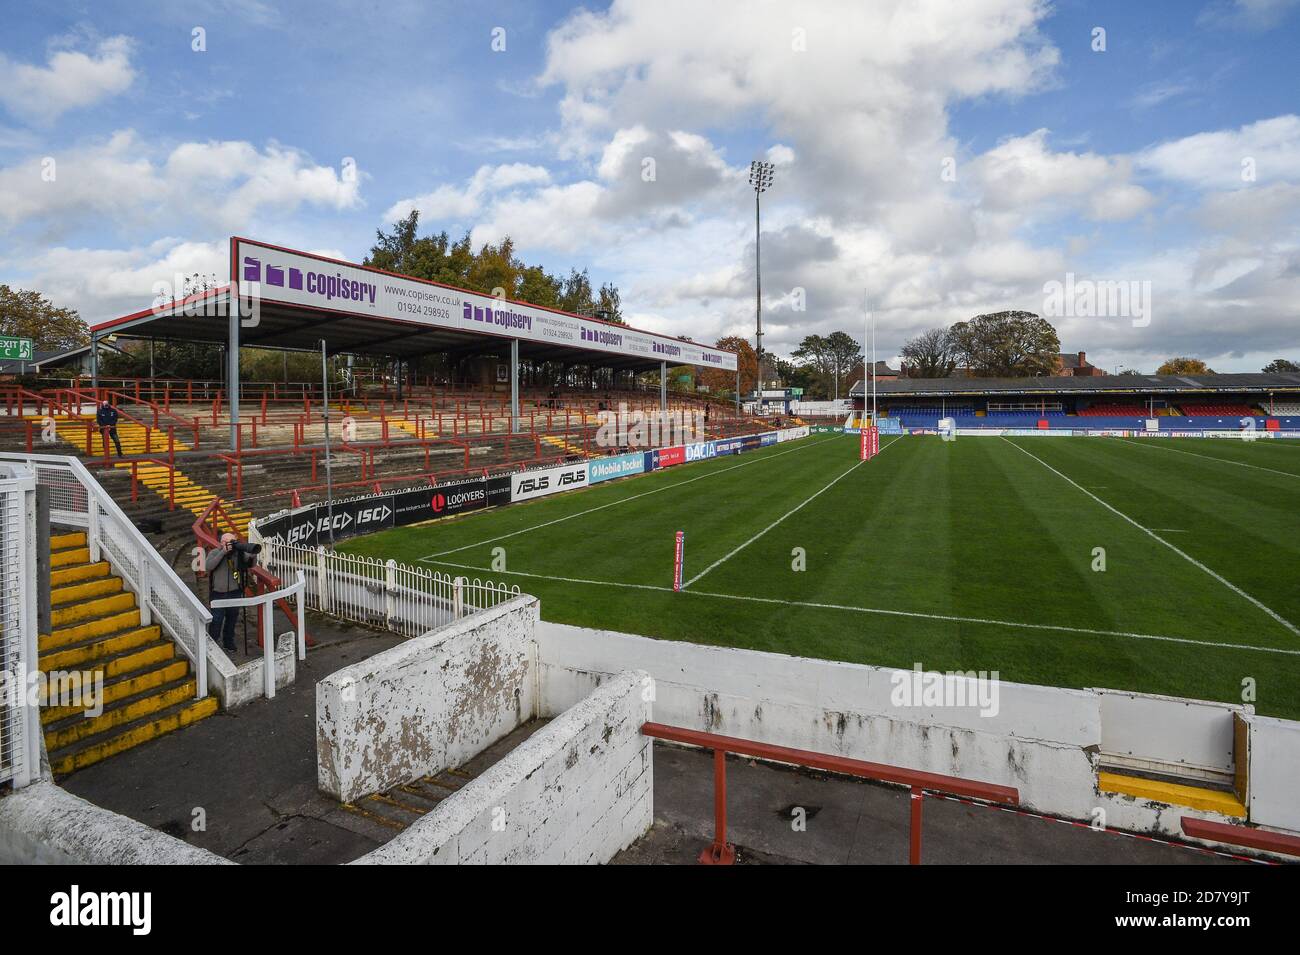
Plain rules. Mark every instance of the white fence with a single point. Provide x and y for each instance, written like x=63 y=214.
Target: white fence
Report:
x=19 y=722
x=407 y=600
x=77 y=500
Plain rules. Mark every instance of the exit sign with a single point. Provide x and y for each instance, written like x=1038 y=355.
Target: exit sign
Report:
x=17 y=349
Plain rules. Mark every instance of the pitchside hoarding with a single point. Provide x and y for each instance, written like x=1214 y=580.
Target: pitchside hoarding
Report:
x=620 y=465
x=544 y=481
x=296 y=278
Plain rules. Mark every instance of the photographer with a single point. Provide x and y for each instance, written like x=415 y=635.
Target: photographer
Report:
x=226 y=566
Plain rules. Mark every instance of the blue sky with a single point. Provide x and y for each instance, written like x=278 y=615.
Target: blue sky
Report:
x=1115 y=165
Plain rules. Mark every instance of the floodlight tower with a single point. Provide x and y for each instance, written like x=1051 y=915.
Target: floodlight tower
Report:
x=760 y=177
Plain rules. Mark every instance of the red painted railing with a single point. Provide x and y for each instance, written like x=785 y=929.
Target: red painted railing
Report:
x=722 y=852
x=1250 y=837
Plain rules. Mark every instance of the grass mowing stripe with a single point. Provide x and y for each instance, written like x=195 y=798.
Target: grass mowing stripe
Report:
x=882 y=612
x=1209 y=457
x=429 y=558
x=722 y=560
x=1156 y=537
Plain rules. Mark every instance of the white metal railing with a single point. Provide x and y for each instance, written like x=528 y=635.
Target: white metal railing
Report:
x=407 y=600
x=19 y=721
x=268 y=600
x=77 y=500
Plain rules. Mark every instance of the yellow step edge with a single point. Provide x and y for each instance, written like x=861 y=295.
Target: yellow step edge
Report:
x=67 y=558
x=65 y=616
x=1175 y=794
x=83 y=590
x=113 y=692
x=90 y=630
x=119 y=716
x=78 y=572
x=130 y=662
x=71 y=540
x=199 y=709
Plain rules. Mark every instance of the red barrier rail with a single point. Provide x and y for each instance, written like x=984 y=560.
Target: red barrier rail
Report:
x=1247 y=836
x=722 y=852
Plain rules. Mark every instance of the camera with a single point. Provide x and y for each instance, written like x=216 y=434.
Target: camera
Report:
x=245 y=554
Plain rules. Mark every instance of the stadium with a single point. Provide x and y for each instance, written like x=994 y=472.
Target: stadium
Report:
x=436 y=555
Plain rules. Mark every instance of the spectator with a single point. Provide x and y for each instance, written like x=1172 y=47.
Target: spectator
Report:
x=106 y=419
x=223 y=583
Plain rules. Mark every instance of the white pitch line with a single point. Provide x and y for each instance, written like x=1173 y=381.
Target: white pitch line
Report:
x=429 y=558
x=1154 y=536
x=1210 y=457
x=1168 y=530
x=722 y=560
x=881 y=612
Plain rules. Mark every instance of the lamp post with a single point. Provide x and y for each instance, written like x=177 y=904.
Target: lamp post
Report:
x=760 y=177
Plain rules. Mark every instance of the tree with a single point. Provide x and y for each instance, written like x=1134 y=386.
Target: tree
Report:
x=1010 y=344
x=930 y=355
x=25 y=314
x=719 y=381
x=1280 y=366
x=609 y=305
x=1128 y=371
x=844 y=355
x=575 y=295
x=1184 y=366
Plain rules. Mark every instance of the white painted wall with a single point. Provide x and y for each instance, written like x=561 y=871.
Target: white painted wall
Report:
x=428 y=704
x=577 y=791
x=1168 y=733
x=49 y=825
x=1274 y=788
x=1045 y=741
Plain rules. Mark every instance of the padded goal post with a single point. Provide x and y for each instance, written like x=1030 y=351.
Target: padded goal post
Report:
x=870 y=443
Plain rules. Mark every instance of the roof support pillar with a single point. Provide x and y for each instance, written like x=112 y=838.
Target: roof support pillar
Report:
x=663 y=387
x=232 y=365
x=94 y=363
x=514 y=385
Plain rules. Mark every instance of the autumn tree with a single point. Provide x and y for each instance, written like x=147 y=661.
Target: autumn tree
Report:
x=29 y=314
x=1184 y=366
x=719 y=381
x=1280 y=366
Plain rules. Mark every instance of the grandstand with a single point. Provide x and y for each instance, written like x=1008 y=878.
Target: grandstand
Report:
x=1177 y=403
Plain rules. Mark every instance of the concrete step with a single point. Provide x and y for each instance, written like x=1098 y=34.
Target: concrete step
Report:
x=149 y=675
x=75 y=573
x=118 y=739
x=80 y=649
x=65 y=732
x=80 y=590
x=93 y=608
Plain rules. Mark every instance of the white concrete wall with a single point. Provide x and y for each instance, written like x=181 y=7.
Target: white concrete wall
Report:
x=1274 y=788
x=577 y=791
x=1038 y=742
x=1045 y=741
x=428 y=704
x=1168 y=733
x=44 y=824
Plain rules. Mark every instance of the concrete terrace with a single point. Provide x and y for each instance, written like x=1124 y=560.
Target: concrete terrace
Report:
x=251 y=773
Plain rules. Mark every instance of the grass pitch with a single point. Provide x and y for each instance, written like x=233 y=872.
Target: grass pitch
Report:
x=981 y=554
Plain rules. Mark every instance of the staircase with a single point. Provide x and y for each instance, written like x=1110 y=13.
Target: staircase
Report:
x=95 y=627
x=136 y=438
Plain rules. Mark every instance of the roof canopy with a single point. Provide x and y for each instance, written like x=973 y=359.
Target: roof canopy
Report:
x=1093 y=385
x=292 y=300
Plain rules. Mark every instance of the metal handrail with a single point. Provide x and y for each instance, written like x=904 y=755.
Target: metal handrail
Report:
x=265 y=602
x=151 y=572
x=722 y=852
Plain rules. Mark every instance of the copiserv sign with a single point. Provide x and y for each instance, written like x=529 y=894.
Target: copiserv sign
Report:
x=288 y=277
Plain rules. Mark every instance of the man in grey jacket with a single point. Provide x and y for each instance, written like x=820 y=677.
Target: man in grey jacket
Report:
x=224 y=583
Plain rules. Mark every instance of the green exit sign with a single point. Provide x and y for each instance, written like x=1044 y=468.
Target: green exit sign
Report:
x=17 y=349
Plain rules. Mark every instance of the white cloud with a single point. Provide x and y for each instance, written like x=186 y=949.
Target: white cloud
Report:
x=220 y=185
x=1215 y=159
x=70 y=79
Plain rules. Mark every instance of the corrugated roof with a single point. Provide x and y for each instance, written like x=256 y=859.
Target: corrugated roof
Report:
x=1257 y=382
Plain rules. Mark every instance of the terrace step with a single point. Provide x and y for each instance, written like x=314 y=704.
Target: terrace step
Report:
x=1174 y=794
x=97 y=643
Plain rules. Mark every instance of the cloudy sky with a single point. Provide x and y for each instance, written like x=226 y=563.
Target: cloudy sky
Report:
x=935 y=159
